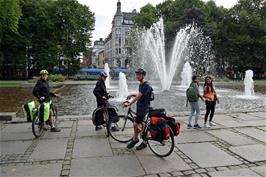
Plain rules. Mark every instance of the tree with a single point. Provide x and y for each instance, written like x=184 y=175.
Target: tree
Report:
x=147 y=16
x=10 y=13
x=48 y=30
x=246 y=33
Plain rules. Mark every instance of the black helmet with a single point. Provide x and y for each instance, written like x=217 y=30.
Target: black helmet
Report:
x=103 y=74
x=140 y=71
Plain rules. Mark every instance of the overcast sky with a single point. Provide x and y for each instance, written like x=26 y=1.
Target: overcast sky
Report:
x=105 y=9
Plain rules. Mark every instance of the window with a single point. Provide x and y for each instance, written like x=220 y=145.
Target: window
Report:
x=119 y=50
x=119 y=41
x=118 y=31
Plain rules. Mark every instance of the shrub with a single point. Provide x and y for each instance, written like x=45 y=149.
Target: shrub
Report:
x=226 y=79
x=56 y=78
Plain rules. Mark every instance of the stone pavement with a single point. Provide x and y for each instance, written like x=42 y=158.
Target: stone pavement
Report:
x=235 y=147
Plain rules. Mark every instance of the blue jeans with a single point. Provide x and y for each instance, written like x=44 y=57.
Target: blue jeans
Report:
x=194 y=108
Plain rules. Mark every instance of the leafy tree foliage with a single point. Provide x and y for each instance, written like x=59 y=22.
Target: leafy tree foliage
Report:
x=47 y=31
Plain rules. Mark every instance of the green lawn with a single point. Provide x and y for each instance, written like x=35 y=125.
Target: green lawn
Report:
x=11 y=83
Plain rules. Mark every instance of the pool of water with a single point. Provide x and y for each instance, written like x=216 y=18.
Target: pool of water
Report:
x=79 y=100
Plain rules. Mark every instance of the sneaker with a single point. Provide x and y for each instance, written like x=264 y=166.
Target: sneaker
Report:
x=132 y=144
x=141 y=146
x=189 y=126
x=206 y=125
x=55 y=129
x=197 y=126
x=212 y=124
x=98 y=128
x=115 y=129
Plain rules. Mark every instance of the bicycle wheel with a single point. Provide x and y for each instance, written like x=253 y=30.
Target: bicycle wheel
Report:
x=121 y=128
x=37 y=127
x=160 y=148
x=54 y=114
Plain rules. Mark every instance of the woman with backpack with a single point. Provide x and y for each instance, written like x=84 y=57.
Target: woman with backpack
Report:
x=210 y=96
x=193 y=98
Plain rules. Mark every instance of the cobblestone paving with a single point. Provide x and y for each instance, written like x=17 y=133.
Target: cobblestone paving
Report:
x=113 y=159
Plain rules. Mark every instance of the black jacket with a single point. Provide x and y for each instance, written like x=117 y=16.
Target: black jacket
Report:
x=42 y=89
x=100 y=91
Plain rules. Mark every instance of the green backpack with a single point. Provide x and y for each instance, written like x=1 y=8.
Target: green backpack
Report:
x=192 y=94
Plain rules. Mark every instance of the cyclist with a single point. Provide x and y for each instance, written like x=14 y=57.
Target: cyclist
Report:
x=102 y=96
x=42 y=92
x=143 y=104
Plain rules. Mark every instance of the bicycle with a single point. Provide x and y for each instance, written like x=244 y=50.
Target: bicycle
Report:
x=161 y=148
x=111 y=120
x=38 y=125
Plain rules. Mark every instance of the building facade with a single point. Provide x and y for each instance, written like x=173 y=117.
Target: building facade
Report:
x=116 y=46
x=98 y=46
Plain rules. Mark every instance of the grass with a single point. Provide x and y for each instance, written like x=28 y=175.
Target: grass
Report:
x=11 y=83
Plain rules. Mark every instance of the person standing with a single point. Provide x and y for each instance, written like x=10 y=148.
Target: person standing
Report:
x=193 y=98
x=210 y=96
x=100 y=93
x=143 y=103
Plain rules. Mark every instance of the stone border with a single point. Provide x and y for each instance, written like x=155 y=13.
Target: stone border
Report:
x=65 y=172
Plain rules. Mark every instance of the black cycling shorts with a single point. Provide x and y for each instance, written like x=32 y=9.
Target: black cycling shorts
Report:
x=140 y=117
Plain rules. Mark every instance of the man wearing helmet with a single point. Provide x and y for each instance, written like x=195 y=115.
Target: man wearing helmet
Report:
x=42 y=92
x=143 y=103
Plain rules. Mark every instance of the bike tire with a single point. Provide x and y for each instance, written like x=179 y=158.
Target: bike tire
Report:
x=37 y=127
x=125 y=126
x=153 y=143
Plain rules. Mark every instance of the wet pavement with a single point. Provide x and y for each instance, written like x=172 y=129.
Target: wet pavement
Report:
x=235 y=147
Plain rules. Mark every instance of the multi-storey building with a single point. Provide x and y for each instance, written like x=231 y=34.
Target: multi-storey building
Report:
x=116 y=47
x=98 y=46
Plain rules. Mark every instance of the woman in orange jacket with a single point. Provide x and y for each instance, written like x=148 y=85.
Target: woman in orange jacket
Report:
x=210 y=99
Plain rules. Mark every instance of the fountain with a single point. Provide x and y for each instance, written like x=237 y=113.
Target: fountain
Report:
x=153 y=49
x=249 y=87
x=186 y=75
x=107 y=71
x=122 y=87
x=249 y=83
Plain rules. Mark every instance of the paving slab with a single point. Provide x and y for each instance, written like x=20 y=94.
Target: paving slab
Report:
x=231 y=123
x=256 y=122
x=254 y=133
x=251 y=153
x=260 y=170
x=65 y=124
x=92 y=147
x=14 y=147
x=222 y=117
x=85 y=122
x=17 y=132
x=153 y=164
x=49 y=149
x=236 y=173
x=108 y=166
x=194 y=136
x=52 y=170
x=207 y=155
x=258 y=114
x=262 y=128
x=231 y=137
x=244 y=116
x=65 y=133
x=89 y=131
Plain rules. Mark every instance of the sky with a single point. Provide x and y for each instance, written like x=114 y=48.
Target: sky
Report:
x=105 y=9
